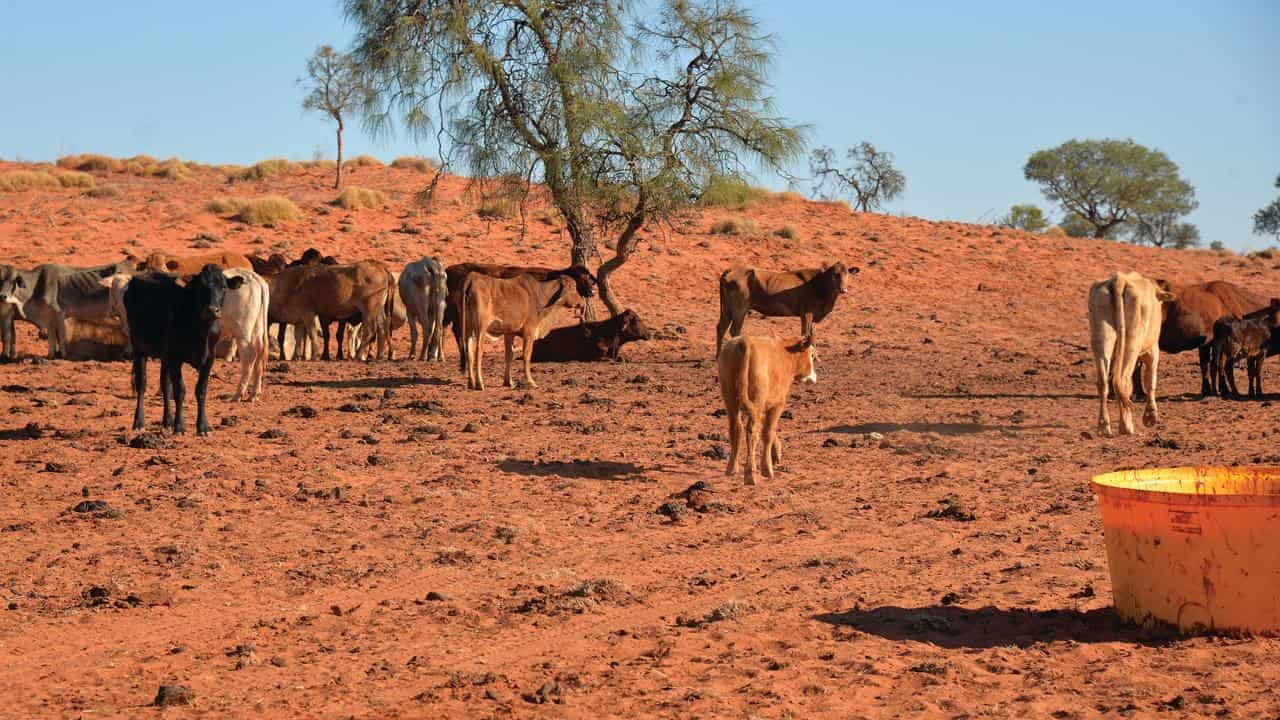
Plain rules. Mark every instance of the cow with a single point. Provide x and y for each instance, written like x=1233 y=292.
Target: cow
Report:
x=755 y=376
x=176 y=324
x=60 y=292
x=808 y=293
x=1124 y=331
x=588 y=342
x=1189 y=318
x=96 y=340
x=507 y=307
x=1252 y=338
x=304 y=293
x=269 y=266
x=423 y=286
x=190 y=265
x=456 y=274
x=15 y=292
x=363 y=334
x=244 y=321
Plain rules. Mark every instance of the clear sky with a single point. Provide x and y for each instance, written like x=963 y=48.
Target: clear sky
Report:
x=961 y=93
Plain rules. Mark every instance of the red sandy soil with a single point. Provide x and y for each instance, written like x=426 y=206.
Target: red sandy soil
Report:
x=419 y=550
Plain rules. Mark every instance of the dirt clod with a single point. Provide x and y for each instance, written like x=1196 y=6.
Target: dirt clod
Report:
x=169 y=695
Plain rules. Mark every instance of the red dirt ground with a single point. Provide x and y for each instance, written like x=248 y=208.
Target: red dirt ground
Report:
x=419 y=550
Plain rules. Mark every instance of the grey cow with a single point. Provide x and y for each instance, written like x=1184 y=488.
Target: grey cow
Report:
x=51 y=293
x=422 y=288
x=14 y=292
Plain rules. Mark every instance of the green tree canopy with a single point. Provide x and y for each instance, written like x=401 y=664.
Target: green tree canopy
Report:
x=1025 y=217
x=1108 y=183
x=1267 y=220
x=624 y=111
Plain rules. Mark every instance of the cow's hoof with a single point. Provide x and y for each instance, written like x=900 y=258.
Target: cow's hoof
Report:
x=1150 y=419
x=203 y=432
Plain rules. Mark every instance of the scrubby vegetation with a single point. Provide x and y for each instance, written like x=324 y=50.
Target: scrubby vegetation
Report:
x=16 y=180
x=735 y=225
x=75 y=179
x=90 y=162
x=362 y=161
x=732 y=193
x=224 y=205
x=322 y=164
x=788 y=232
x=267 y=210
x=171 y=169
x=355 y=198
x=104 y=191
x=500 y=208
x=261 y=170
x=413 y=162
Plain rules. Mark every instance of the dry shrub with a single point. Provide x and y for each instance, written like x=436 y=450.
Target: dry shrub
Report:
x=323 y=164
x=735 y=225
x=75 y=179
x=268 y=210
x=790 y=196
x=171 y=169
x=1055 y=232
x=498 y=208
x=362 y=161
x=16 y=180
x=355 y=198
x=264 y=169
x=224 y=205
x=788 y=231
x=104 y=191
x=732 y=193
x=1265 y=254
x=231 y=171
x=413 y=162
x=90 y=162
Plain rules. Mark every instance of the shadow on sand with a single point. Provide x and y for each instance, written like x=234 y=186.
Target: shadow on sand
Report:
x=370 y=382
x=577 y=469
x=945 y=429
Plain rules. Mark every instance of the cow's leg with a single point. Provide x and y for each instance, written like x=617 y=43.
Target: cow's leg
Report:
x=1102 y=348
x=342 y=333
x=247 y=358
x=202 y=391
x=324 y=329
x=769 y=435
x=721 y=327
x=507 y=342
x=806 y=325
x=1150 y=371
x=7 y=335
x=281 y=328
x=777 y=440
x=1228 y=388
x=139 y=387
x=751 y=450
x=179 y=398
x=1206 y=385
x=1139 y=395
x=735 y=435
x=463 y=348
x=1255 y=378
x=413 y=337
x=166 y=394
x=526 y=346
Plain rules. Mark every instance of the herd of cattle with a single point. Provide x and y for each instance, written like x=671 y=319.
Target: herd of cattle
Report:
x=189 y=310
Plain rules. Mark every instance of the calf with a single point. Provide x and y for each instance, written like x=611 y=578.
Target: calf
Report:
x=302 y=294
x=244 y=321
x=1252 y=339
x=16 y=286
x=809 y=294
x=60 y=292
x=508 y=307
x=177 y=324
x=755 y=376
x=423 y=286
x=1124 y=331
x=192 y=264
x=588 y=342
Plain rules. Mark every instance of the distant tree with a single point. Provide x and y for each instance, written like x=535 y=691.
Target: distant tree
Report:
x=870 y=177
x=1217 y=245
x=1267 y=220
x=1025 y=217
x=1165 y=230
x=334 y=88
x=1077 y=227
x=624 y=116
x=1108 y=183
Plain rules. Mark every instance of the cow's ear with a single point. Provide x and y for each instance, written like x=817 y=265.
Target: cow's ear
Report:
x=234 y=282
x=19 y=282
x=1164 y=296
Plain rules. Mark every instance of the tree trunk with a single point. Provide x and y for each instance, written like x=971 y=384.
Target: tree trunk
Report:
x=581 y=253
x=606 y=290
x=626 y=245
x=337 y=180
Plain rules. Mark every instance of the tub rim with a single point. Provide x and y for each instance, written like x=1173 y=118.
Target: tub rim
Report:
x=1117 y=484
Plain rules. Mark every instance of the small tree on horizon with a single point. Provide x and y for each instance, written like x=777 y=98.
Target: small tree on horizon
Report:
x=1267 y=220
x=870 y=177
x=1110 y=183
x=334 y=89
x=1025 y=217
x=1165 y=230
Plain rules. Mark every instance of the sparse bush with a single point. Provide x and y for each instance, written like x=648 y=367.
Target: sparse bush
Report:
x=231 y=171
x=735 y=225
x=264 y=169
x=1265 y=254
x=171 y=169
x=90 y=162
x=498 y=208
x=1055 y=231
x=355 y=198
x=268 y=210
x=16 y=180
x=75 y=179
x=413 y=162
x=362 y=161
x=1025 y=217
x=789 y=196
x=732 y=193
x=787 y=231
x=224 y=205
x=322 y=164
x=104 y=191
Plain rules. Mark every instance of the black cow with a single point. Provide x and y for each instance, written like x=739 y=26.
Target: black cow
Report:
x=590 y=341
x=176 y=324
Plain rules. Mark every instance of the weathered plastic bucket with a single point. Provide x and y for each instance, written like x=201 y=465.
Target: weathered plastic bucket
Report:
x=1195 y=547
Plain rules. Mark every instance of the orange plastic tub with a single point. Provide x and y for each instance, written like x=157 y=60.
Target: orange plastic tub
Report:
x=1195 y=547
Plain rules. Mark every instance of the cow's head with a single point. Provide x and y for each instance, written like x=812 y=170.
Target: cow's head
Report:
x=14 y=289
x=210 y=290
x=806 y=358
x=582 y=279
x=835 y=278
x=565 y=296
x=1165 y=291
x=631 y=327
x=116 y=285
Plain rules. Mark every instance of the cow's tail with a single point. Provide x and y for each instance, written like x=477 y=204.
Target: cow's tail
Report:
x=389 y=311
x=1121 y=382
x=464 y=301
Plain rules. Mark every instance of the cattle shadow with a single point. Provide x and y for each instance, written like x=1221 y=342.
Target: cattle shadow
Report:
x=948 y=429
x=575 y=469
x=951 y=627
x=369 y=382
x=1000 y=396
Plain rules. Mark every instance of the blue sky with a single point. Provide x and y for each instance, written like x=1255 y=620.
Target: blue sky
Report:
x=961 y=93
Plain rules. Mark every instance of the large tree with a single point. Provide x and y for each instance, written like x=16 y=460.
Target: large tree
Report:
x=334 y=89
x=623 y=112
x=1267 y=220
x=1109 y=183
x=869 y=177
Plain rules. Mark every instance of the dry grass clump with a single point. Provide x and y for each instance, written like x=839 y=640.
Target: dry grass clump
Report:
x=104 y=191
x=224 y=205
x=732 y=193
x=268 y=210
x=790 y=196
x=1264 y=254
x=171 y=169
x=16 y=180
x=75 y=179
x=735 y=225
x=230 y=170
x=355 y=198
x=1055 y=231
x=498 y=208
x=324 y=164
x=788 y=232
x=90 y=162
x=362 y=161
x=263 y=170
x=413 y=162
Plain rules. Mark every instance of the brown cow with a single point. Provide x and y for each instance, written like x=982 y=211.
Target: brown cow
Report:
x=809 y=294
x=1189 y=318
x=508 y=307
x=455 y=274
x=192 y=264
x=1251 y=339
x=269 y=266
x=304 y=293
x=755 y=376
